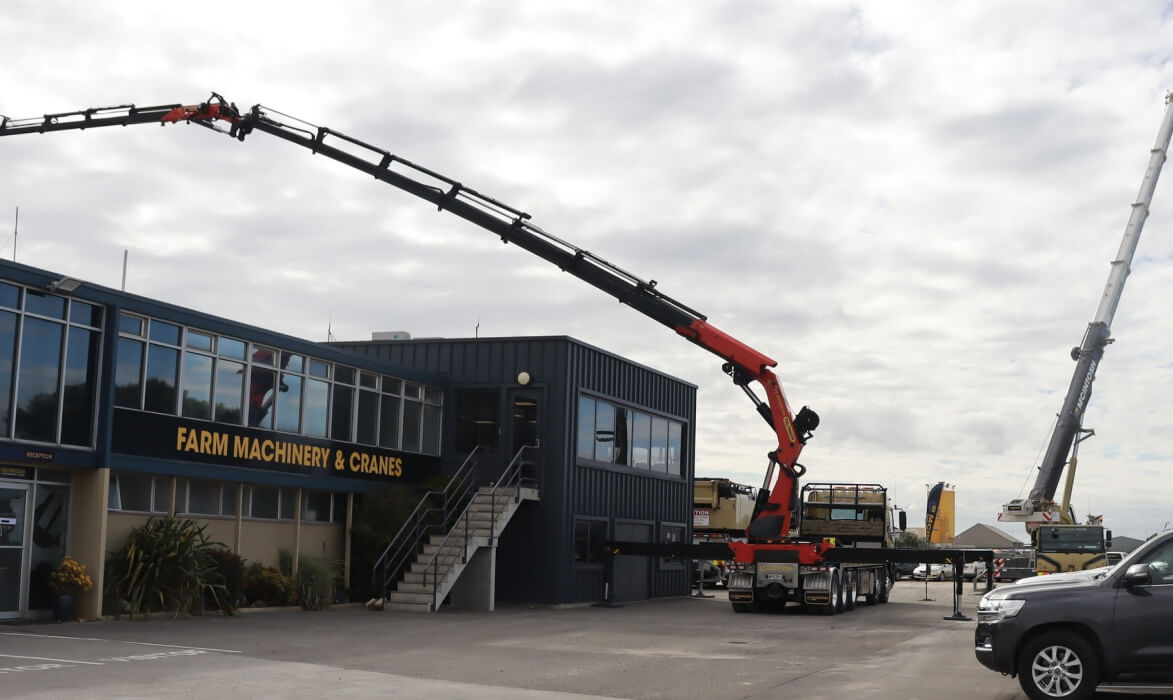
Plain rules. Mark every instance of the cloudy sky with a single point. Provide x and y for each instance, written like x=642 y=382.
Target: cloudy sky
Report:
x=911 y=206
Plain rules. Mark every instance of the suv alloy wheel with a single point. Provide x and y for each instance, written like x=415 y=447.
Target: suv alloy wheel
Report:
x=1058 y=665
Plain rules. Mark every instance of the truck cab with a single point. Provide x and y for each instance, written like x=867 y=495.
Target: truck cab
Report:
x=1064 y=638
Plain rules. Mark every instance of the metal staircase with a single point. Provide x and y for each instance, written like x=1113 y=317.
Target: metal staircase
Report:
x=452 y=533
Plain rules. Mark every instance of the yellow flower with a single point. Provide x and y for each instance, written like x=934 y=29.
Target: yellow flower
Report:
x=70 y=577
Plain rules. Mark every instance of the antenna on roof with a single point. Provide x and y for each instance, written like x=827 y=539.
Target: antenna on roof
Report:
x=476 y=332
x=15 y=228
x=329 y=331
x=125 y=253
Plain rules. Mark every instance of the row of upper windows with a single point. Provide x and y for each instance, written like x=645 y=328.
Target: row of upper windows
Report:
x=140 y=493
x=618 y=435
x=166 y=368
x=50 y=351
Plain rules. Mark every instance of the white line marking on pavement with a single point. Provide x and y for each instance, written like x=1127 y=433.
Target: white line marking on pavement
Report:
x=60 y=661
x=119 y=641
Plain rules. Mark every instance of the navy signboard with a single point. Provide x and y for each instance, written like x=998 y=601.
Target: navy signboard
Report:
x=167 y=437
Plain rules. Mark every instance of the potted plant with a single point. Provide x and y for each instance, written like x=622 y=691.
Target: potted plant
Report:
x=68 y=580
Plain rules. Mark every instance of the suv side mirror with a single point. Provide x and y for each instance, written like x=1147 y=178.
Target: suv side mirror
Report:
x=1138 y=575
x=903 y=521
x=1107 y=539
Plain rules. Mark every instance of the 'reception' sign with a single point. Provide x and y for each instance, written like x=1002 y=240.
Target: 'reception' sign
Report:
x=168 y=437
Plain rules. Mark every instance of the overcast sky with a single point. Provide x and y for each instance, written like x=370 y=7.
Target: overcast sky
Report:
x=911 y=206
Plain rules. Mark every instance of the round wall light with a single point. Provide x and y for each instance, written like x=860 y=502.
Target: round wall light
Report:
x=523 y=378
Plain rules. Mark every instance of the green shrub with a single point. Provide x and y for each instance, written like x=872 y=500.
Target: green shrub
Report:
x=315 y=583
x=167 y=564
x=231 y=568
x=268 y=585
x=285 y=561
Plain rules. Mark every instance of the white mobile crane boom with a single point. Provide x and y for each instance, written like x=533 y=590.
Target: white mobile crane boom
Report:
x=1039 y=507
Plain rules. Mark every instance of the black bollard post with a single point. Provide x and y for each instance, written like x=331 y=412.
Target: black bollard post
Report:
x=608 y=581
x=958 y=585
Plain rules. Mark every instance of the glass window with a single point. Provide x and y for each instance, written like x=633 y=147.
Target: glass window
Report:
x=228 y=499
x=674 y=445
x=289 y=403
x=291 y=362
x=659 y=444
x=162 y=332
x=433 y=395
x=589 y=537
x=130 y=324
x=229 y=392
x=411 y=391
x=431 y=439
x=317 y=402
x=319 y=368
x=671 y=534
x=85 y=314
x=199 y=341
x=81 y=383
x=40 y=368
x=288 y=504
x=315 y=506
x=339 y=508
x=162 y=486
x=342 y=409
x=641 y=441
x=128 y=374
x=43 y=304
x=197 y=386
x=411 y=426
x=586 y=427
x=134 y=492
x=9 y=296
x=262 y=502
x=203 y=497
x=344 y=374
x=260 y=397
x=368 y=417
x=619 y=440
x=368 y=380
x=264 y=356
x=604 y=431
x=389 y=422
x=391 y=385
x=231 y=348
x=162 y=371
x=8 y=323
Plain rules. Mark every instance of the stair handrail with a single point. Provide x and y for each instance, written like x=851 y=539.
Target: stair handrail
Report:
x=406 y=542
x=510 y=479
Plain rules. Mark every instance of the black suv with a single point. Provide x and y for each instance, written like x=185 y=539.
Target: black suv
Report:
x=1064 y=636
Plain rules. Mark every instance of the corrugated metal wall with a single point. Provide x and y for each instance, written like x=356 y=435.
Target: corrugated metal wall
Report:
x=535 y=557
x=625 y=494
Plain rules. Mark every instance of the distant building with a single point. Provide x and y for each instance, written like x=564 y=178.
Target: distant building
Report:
x=1121 y=543
x=985 y=537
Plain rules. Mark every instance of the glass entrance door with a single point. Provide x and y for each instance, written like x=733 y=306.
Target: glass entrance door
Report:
x=13 y=529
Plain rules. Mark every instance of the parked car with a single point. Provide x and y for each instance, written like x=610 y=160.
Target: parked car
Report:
x=903 y=569
x=1064 y=634
x=933 y=572
x=974 y=569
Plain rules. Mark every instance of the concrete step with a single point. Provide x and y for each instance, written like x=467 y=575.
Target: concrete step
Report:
x=411 y=598
x=409 y=607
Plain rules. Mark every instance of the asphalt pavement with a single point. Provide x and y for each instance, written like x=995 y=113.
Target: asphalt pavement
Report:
x=679 y=648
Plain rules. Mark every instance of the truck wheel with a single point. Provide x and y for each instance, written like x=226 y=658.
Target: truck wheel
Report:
x=873 y=596
x=1058 y=664
x=885 y=587
x=835 y=600
x=849 y=598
